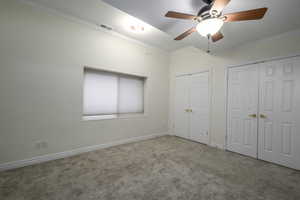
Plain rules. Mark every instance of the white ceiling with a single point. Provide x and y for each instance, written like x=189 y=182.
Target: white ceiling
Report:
x=282 y=16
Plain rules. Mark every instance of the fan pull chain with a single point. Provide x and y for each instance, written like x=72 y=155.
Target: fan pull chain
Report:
x=208 y=44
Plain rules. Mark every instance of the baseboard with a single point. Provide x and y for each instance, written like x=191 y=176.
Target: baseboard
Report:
x=218 y=146
x=212 y=144
x=55 y=156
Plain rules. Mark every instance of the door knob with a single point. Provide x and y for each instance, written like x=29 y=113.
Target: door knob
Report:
x=191 y=110
x=253 y=116
x=187 y=110
x=263 y=116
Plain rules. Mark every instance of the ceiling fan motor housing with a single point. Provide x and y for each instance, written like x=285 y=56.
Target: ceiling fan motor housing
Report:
x=207 y=1
x=205 y=9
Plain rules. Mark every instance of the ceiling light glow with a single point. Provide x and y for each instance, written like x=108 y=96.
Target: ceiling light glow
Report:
x=137 y=28
x=134 y=25
x=209 y=26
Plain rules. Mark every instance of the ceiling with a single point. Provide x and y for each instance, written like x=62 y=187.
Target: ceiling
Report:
x=282 y=16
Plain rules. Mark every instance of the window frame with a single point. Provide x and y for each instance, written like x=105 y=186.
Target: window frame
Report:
x=115 y=116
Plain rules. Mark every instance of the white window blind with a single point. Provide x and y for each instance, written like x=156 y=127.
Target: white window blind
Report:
x=107 y=93
x=131 y=95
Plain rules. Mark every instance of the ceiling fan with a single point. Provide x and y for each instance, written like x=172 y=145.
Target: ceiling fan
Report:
x=210 y=19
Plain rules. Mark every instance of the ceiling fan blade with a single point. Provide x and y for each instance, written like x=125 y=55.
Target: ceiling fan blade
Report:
x=216 y=37
x=246 y=15
x=219 y=5
x=178 y=15
x=185 y=34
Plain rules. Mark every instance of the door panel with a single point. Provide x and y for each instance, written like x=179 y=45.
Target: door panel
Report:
x=242 y=110
x=286 y=138
x=199 y=104
x=268 y=132
x=268 y=95
x=279 y=131
x=248 y=132
x=287 y=95
x=181 y=104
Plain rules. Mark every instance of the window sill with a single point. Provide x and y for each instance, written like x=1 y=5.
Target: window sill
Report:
x=113 y=117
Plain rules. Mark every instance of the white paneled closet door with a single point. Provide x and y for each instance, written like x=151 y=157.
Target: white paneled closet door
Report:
x=242 y=110
x=199 y=104
x=279 y=123
x=192 y=107
x=182 y=99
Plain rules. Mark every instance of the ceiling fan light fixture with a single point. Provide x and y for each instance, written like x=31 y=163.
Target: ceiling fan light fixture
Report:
x=137 y=28
x=209 y=26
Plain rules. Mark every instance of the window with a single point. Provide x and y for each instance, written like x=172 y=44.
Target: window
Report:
x=109 y=95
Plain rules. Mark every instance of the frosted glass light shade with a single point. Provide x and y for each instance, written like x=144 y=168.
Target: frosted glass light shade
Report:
x=209 y=26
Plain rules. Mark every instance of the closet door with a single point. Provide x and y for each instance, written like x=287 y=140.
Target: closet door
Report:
x=181 y=107
x=199 y=105
x=279 y=132
x=242 y=110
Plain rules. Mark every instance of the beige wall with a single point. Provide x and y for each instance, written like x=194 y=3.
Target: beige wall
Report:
x=42 y=57
x=190 y=60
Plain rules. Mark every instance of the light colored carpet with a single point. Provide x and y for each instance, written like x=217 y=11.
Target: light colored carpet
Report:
x=165 y=168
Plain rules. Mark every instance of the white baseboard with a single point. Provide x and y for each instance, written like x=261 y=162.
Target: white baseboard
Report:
x=218 y=146
x=55 y=156
x=212 y=144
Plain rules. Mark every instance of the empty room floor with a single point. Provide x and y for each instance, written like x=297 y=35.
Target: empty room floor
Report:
x=162 y=168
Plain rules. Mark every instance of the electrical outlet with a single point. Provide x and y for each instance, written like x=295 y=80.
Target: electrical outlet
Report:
x=41 y=145
x=38 y=144
x=44 y=145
